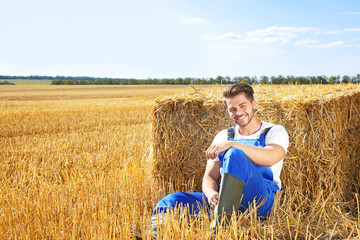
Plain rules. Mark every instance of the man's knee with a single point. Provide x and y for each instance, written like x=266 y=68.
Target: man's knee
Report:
x=170 y=201
x=238 y=164
x=234 y=152
x=236 y=156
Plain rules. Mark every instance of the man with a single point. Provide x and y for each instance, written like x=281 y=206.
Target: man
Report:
x=247 y=158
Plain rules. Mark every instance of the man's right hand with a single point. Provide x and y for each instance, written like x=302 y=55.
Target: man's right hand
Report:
x=213 y=199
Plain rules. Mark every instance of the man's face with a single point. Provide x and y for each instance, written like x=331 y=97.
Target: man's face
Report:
x=241 y=109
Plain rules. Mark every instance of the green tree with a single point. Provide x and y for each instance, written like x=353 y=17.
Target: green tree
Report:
x=237 y=79
x=246 y=79
x=357 y=78
x=219 y=79
x=264 y=79
x=345 y=79
x=332 y=80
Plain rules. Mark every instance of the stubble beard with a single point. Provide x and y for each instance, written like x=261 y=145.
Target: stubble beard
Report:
x=250 y=119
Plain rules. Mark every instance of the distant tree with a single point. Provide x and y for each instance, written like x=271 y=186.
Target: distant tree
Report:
x=345 y=79
x=321 y=80
x=227 y=80
x=220 y=79
x=237 y=79
x=332 y=80
x=337 y=79
x=246 y=79
x=264 y=79
x=357 y=78
x=289 y=80
x=254 y=80
x=276 y=80
x=179 y=81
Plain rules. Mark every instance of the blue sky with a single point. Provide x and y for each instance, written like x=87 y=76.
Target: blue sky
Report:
x=179 y=38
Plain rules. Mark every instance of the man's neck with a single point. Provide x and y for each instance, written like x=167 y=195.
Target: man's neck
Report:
x=251 y=128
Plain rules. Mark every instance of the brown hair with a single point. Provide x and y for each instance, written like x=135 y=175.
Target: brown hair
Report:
x=236 y=89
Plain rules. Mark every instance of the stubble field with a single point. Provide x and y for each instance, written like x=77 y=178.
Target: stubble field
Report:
x=73 y=161
x=74 y=165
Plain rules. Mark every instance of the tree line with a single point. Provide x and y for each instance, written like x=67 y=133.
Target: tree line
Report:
x=63 y=80
x=218 y=80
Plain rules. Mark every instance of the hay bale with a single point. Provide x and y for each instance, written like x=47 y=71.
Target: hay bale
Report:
x=322 y=122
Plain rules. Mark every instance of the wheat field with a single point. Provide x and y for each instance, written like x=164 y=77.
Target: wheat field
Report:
x=75 y=165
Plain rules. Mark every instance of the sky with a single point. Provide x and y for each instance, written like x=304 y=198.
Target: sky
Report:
x=179 y=38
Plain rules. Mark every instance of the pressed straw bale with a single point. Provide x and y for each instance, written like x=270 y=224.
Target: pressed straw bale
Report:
x=322 y=122
x=181 y=129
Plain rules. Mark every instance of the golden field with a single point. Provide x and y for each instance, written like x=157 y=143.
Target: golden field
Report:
x=75 y=165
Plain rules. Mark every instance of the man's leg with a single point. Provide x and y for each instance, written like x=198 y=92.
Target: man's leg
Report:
x=230 y=194
x=193 y=201
x=251 y=185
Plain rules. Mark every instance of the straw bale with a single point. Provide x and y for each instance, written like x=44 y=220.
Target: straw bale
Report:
x=323 y=123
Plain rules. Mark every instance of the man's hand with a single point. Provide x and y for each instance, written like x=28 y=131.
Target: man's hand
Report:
x=214 y=150
x=213 y=199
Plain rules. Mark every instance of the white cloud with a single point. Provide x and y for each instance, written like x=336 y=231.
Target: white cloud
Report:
x=352 y=30
x=229 y=36
x=273 y=34
x=283 y=35
x=345 y=30
x=330 y=45
x=194 y=21
x=282 y=31
x=334 y=32
x=314 y=44
x=305 y=42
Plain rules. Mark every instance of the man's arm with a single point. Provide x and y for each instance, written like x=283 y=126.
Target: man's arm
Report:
x=267 y=156
x=210 y=185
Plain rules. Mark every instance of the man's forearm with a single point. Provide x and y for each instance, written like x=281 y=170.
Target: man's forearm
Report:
x=210 y=182
x=209 y=185
x=266 y=156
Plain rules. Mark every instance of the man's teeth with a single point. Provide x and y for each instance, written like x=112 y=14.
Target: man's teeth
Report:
x=241 y=117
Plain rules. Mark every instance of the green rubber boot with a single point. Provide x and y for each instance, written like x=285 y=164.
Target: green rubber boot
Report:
x=230 y=194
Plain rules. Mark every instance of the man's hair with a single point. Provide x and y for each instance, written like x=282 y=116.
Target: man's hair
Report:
x=236 y=89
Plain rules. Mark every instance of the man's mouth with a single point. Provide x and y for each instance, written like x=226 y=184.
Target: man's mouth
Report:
x=241 y=117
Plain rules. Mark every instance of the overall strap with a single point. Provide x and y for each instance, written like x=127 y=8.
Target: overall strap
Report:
x=266 y=130
x=231 y=133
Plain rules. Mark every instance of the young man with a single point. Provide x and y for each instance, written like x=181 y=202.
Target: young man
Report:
x=247 y=158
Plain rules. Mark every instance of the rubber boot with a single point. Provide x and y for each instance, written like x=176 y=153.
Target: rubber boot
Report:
x=230 y=195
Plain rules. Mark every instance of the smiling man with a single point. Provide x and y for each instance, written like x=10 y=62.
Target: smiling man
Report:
x=243 y=163
x=248 y=158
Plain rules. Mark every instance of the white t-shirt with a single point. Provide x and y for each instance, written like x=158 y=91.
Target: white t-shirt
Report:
x=277 y=135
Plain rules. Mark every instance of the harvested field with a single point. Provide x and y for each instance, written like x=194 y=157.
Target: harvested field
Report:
x=76 y=164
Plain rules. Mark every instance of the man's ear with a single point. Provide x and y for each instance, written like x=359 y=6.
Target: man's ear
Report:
x=254 y=103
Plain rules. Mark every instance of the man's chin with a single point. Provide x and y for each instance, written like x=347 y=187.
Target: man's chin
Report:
x=242 y=122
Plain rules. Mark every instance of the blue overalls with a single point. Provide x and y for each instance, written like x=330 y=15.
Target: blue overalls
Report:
x=258 y=182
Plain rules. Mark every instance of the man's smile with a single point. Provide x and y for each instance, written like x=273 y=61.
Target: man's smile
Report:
x=241 y=117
